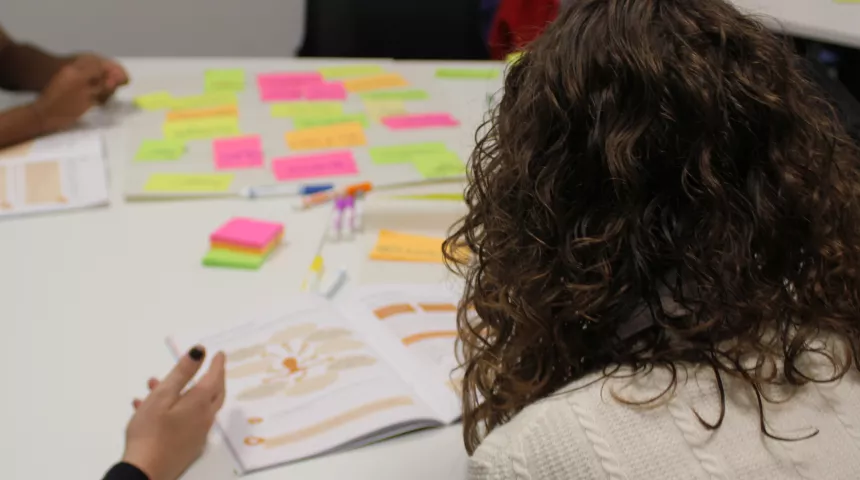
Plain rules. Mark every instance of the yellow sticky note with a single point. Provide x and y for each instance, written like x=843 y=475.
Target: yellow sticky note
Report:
x=438 y=164
x=306 y=109
x=404 y=247
x=381 y=109
x=347 y=71
x=154 y=101
x=189 y=182
x=376 y=82
x=332 y=136
x=225 y=80
x=214 y=99
x=198 y=113
x=199 y=129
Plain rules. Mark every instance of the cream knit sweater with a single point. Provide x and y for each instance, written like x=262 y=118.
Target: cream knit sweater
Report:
x=585 y=434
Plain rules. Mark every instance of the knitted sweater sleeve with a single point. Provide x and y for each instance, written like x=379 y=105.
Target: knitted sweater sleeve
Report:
x=492 y=460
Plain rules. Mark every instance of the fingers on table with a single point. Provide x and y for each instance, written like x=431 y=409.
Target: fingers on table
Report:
x=209 y=391
x=171 y=387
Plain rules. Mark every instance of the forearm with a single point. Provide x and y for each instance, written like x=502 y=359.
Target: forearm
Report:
x=20 y=124
x=26 y=67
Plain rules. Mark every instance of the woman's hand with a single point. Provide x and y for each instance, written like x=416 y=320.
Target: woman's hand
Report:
x=169 y=428
x=115 y=75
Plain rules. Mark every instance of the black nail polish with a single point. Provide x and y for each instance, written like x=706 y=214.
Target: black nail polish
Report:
x=197 y=353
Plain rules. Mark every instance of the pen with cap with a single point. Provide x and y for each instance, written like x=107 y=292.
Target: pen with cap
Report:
x=263 y=191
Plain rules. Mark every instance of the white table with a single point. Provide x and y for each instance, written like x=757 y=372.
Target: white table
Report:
x=823 y=20
x=88 y=298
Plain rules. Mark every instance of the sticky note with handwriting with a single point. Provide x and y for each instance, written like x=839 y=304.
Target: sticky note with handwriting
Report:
x=422 y=120
x=288 y=79
x=199 y=129
x=224 y=80
x=213 y=99
x=347 y=71
x=238 y=152
x=406 y=152
x=197 y=113
x=377 y=82
x=439 y=165
x=402 y=95
x=306 y=109
x=159 y=150
x=154 y=101
x=301 y=122
x=404 y=247
x=188 y=183
x=324 y=91
x=467 y=73
x=329 y=164
x=332 y=136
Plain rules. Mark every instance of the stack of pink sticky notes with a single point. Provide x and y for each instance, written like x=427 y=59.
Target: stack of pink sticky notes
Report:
x=280 y=87
x=238 y=152
x=243 y=243
x=420 y=120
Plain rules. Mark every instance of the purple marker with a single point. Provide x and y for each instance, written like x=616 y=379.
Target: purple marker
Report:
x=337 y=215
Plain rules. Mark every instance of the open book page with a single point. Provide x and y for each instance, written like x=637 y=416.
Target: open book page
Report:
x=60 y=172
x=304 y=382
x=423 y=319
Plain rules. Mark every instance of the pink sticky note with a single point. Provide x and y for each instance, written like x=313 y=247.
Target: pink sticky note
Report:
x=247 y=232
x=325 y=91
x=318 y=165
x=278 y=93
x=293 y=79
x=421 y=120
x=238 y=152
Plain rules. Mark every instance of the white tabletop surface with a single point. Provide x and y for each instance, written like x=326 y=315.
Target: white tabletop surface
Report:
x=823 y=20
x=88 y=298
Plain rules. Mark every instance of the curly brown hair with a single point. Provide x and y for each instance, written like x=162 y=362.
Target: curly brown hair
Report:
x=648 y=152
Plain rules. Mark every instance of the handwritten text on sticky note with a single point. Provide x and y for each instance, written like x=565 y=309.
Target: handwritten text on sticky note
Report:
x=324 y=91
x=378 y=82
x=238 y=152
x=404 y=247
x=406 y=152
x=198 y=113
x=402 y=95
x=225 y=80
x=313 y=166
x=439 y=165
x=312 y=121
x=154 y=101
x=159 y=150
x=333 y=136
x=214 y=99
x=188 y=182
x=201 y=129
x=347 y=71
x=467 y=73
x=417 y=121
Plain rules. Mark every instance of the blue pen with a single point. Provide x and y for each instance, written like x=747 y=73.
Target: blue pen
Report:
x=276 y=190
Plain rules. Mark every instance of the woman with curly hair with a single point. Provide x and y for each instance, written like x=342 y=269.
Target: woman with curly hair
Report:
x=664 y=215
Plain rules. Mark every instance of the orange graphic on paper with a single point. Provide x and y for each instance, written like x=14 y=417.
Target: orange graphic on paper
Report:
x=391 y=310
x=334 y=422
x=198 y=113
x=254 y=441
x=255 y=420
x=43 y=184
x=438 y=307
x=331 y=136
x=376 y=82
x=419 y=337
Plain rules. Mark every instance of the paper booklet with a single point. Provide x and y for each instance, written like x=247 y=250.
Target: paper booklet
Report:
x=63 y=171
x=322 y=376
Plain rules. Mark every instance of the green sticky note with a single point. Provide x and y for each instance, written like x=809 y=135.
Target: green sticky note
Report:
x=467 y=73
x=306 y=109
x=201 y=128
x=217 y=257
x=437 y=165
x=188 y=182
x=225 y=80
x=154 y=101
x=158 y=150
x=349 y=71
x=212 y=99
x=314 y=121
x=395 y=95
x=406 y=153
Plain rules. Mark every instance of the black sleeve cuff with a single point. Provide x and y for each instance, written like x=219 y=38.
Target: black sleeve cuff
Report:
x=125 y=471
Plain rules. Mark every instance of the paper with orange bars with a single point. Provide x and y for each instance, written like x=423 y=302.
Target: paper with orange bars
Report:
x=406 y=247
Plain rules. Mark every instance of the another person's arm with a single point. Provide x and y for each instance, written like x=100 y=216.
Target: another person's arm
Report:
x=26 y=67
x=169 y=428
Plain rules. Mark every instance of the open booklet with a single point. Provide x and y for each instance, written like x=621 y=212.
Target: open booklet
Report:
x=322 y=376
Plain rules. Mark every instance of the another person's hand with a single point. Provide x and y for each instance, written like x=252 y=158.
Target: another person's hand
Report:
x=115 y=75
x=70 y=93
x=169 y=429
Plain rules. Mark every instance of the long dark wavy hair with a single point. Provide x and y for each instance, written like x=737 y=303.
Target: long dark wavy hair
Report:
x=648 y=151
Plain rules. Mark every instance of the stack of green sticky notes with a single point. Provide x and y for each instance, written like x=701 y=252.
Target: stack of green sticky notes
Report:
x=243 y=243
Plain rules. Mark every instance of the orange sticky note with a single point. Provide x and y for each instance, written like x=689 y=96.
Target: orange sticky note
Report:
x=332 y=136
x=197 y=113
x=404 y=247
x=376 y=82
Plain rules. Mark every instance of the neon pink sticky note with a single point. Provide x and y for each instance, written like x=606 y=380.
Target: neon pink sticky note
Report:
x=238 y=152
x=276 y=87
x=325 y=91
x=247 y=232
x=276 y=93
x=311 y=166
x=421 y=120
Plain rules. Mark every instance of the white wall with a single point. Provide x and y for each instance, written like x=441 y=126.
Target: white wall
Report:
x=159 y=27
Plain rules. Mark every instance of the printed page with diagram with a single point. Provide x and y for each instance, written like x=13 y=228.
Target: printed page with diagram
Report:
x=423 y=319
x=59 y=172
x=308 y=380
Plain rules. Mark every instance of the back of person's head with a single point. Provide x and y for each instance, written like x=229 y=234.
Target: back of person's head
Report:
x=660 y=186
